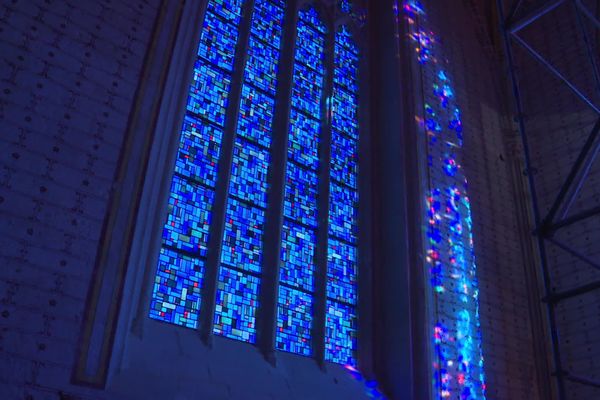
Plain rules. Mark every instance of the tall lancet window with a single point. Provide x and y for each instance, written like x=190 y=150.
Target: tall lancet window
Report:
x=342 y=261
x=179 y=275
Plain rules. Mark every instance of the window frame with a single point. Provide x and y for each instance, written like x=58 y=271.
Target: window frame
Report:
x=146 y=243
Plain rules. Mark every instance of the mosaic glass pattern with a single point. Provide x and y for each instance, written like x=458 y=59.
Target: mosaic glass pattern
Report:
x=217 y=42
x=189 y=217
x=261 y=67
x=249 y=168
x=344 y=159
x=300 y=201
x=208 y=93
x=267 y=21
x=294 y=321
x=344 y=112
x=457 y=358
x=343 y=212
x=176 y=292
x=236 y=304
x=256 y=116
x=303 y=144
x=340 y=333
x=199 y=151
x=342 y=271
x=342 y=257
x=297 y=256
x=346 y=68
x=307 y=90
x=242 y=238
x=178 y=279
x=229 y=10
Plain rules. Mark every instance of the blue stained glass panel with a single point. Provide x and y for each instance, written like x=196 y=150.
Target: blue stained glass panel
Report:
x=218 y=41
x=303 y=145
x=256 y=116
x=267 y=21
x=340 y=333
x=249 y=169
x=242 y=238
x=229 y=10
x=199 y=148
x=346 y=69
x=343 y=212
x=309 y=48
x=311 y=16
x=300 y=201
x=344 y=110
x=261 y=67
x=236 y=304
x=297 y=256
x=344 y=37
x=208 y=93
x=307 y=90
x=189 y=216
x=294 y=321
x=176 y=292
x=342 y=271
x=344 y=165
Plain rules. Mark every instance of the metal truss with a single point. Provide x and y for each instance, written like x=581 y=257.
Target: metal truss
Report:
x=556 y=218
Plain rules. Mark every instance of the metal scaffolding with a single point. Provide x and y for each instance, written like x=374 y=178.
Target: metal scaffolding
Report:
x=556 y=218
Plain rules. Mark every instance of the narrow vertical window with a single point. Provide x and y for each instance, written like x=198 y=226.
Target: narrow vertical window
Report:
x=295 y=300
x=241 y=250
x=342 y=262
x=178 y=279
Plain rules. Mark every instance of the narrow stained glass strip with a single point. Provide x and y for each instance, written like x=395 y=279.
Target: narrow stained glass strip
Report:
x=340 y=333
x=344 y=112
x=176 y=292
x=297 y=256
x=189 y=217
x=217 y=42
x=300 y=201
x=256 y=116
x=294 y=321
x=199 y=150
x=342 y=259
x=303 y=145
x=236 y=304
x=346 y=69
x=249 y=173
x=208 y=93
x=342 y=212
x=178 y=280
x=344 y=163
x=342 y=271
x=242 y=238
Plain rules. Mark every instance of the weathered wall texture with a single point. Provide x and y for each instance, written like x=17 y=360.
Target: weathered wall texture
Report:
x=69 y=71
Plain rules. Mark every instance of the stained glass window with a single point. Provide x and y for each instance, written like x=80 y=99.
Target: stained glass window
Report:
x=242 y=246
x=294 y=310
x=175 y=296
x=342 y=261
x=186 y=241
